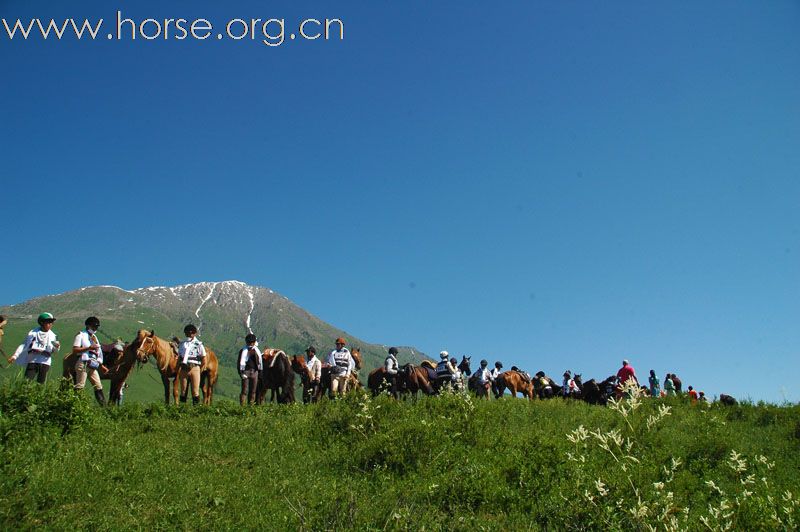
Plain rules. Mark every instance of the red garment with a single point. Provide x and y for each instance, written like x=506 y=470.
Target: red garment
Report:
x=693 y=395
x=626 y=373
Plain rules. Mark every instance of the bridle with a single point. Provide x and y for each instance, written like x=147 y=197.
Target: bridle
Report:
x=141 y=352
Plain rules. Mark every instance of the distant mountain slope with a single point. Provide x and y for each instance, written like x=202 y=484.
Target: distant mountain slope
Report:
x=223 y=311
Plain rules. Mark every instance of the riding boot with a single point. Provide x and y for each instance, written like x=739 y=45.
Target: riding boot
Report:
x=195 y=399
x=183 y=398
x=100 y=396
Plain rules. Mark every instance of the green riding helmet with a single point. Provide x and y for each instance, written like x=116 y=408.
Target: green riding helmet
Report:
x=45 y=316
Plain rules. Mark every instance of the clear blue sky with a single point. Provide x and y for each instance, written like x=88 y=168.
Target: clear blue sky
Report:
x=553 y=184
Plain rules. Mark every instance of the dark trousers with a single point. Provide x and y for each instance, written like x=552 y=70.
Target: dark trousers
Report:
x=249 y=386
x=37 y=371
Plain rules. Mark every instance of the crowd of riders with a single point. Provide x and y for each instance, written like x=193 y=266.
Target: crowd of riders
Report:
x=35 y=355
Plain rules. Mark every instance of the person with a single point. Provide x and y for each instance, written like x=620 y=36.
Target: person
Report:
x=496 y=371
x=3 y=323
x=655 y=387
x=692 y=395
x=250 y=366
x=342 y=365
x=315 y=374
x=445 y=371
x=192 y=359
x=36 y=353
x=89 y=363
x=678 y=384
x=565 y=383
x=483 y=380
x=392 y=368
x=669 y=386
x=455 y=380
x=626 y=373
x=703 y=398
x=571 y=386
x=545 y=388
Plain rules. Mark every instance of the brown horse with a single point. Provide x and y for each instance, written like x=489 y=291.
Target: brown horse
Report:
x=118 y=362
x=516 y=383
x=410 y=379
x=147 y=344
x=277 y=377
x=353 y=382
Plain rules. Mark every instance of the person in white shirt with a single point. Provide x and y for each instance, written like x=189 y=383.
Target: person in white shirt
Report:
x=192 y=358
x=484 y=379
x=250 y=365
x=445 y=371
x=342 y=364
x=392 y=369
x=496 y=371
x=90 y=361
x=36 y=354
x=315 y=374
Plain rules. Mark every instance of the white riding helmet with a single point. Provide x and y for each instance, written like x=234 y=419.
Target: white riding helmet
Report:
x=444 y=355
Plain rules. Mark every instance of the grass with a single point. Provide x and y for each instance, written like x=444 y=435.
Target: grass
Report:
x=436 y=463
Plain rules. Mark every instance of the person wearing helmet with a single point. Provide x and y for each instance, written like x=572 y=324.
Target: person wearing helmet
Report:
x=445 y=371
x=342 y=365
x=36 y=353
x=89 y=359
x=392 y=368
x=250 y=364
x=496 y=371
x=315 y=374
x=483 y=380
x=192 y=358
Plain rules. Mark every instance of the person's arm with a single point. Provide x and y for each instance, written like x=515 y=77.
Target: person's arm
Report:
x=78 y=347
x=317 y=370
x=241 y=360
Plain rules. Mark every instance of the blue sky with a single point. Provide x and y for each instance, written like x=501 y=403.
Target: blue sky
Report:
x=557 y=185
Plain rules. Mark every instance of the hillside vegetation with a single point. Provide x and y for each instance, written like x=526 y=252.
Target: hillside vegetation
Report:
x=436 y=463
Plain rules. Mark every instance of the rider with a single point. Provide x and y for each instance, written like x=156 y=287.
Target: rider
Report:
x=565 y=383
x=496 y=370
x=37 y=351
x=456 y=378
x=90 y=360
x=445 y=371
x=392 y=369
x=342 y=364
x=250 y=365
x=484 y=379
x=315 y=371
x=192 y=358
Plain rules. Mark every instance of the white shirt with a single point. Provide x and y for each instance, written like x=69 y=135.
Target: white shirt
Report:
x=244 y=354
x=84 y=339
x=342 y=356
x=39 y=346
x=315 y=367
x=483 y=375
x=191 y=351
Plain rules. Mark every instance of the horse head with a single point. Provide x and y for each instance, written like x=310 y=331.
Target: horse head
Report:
x=356 y=354
x=145 y=344
x=300 y=367
x=464 y=365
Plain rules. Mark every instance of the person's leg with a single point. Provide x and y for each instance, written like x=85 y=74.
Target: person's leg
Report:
x=41 y=377
x=253 y=378
x=80 y=374
x=243 y=394
x=194 y=375
x=94 y=378
x=32 y=371
x=183 y=379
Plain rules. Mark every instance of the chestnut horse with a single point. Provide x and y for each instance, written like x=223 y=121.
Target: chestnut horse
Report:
x=118 y=362
x=147 y=344
x=515 y=382
x=410 y=379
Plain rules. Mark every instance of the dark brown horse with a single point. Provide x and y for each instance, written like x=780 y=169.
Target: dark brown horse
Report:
x=277 y=377
x=410 y=379
x=118 y=362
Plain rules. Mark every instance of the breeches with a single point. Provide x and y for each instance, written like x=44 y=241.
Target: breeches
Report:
x=192 y=373
x=249 y=386
x=82 y=370
x=339 y=384
x=38 y=372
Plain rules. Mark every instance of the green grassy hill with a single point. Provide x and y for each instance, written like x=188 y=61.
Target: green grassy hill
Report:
x=221 y=310
x=441 y=463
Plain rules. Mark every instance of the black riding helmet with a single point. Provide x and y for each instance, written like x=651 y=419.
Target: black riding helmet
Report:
x=393 y=351
x=249 y=339
x=92 y=322
x=484 y=363
x=498 y=364
x=189 y=329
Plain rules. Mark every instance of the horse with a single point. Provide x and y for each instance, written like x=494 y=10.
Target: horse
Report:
x=353 y=382
x=166 y=357
x=727 y=400
x=596 y=393
x=410 y=379
x=277 y=376
x=516 y=383
x=118 y=362
x=545 y=387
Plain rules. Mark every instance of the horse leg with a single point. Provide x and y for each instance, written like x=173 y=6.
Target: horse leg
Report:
x=165 y=383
